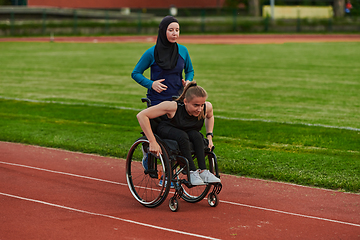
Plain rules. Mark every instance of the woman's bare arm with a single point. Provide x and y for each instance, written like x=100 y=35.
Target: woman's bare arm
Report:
x=144 y=117
x=209 y=122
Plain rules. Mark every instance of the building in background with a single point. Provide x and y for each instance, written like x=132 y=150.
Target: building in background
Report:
x=117 y=4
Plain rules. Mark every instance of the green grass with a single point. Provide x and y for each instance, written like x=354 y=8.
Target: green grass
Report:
x=264 y=97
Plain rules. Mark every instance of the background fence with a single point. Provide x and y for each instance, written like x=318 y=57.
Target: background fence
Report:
x=23 y=21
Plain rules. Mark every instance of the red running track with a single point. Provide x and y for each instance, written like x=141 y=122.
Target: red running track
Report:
x=203 y=39
x=55 y=194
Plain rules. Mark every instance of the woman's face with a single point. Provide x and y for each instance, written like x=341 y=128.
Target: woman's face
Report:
x=195 y=106
x=172 y=32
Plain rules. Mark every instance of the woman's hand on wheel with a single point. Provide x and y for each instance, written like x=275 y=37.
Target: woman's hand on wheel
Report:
x=211 y=145
x=155 y=148
x=158 y=86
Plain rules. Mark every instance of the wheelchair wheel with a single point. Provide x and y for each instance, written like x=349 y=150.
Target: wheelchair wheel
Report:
x=213 y=199
x=147 y=176
x=195 y=194
x=174 y=204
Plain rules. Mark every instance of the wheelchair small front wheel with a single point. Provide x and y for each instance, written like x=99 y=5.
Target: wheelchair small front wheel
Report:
x=213 y=199
x=174 y=204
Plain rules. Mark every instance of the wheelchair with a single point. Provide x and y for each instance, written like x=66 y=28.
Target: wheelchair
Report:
x=151 y=181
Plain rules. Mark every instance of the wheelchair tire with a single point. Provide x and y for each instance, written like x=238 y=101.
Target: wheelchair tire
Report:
x=213 y=199
x=147 y=180
x=195 y=193
x=174 y=204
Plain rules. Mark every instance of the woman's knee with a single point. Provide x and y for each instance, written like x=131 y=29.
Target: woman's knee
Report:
x=182 y=138
x=195 y=136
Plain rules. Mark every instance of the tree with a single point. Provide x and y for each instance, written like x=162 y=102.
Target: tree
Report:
x=254 y=9
x=5 y=2
x=339 y=6
x=253 y=6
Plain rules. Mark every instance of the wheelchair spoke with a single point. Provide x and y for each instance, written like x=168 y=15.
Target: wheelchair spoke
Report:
x=144 y=175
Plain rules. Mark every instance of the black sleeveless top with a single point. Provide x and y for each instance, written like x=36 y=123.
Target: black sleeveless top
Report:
x=182 y=120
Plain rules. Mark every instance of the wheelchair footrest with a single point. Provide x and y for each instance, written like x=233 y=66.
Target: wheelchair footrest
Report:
x=178 y=191
x=217 y=188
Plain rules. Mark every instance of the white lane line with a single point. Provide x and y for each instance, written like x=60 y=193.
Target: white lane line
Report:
x=108 y=216
x=293 y=214
x=216 y=116
x=227 y=202
x=71 y=103
x=289 y=123
x=63 y=173
x=256 y=179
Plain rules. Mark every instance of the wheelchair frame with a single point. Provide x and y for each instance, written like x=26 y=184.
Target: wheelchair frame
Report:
x=169 y=168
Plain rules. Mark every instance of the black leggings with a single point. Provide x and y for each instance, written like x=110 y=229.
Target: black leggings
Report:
x=183 y=139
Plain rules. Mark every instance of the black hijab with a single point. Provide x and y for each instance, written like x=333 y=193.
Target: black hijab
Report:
x=166 y=53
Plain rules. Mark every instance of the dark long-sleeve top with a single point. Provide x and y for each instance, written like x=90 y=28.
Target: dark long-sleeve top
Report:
x=173 y=77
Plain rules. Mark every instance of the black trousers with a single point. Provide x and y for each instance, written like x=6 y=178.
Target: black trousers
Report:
x=183 y=139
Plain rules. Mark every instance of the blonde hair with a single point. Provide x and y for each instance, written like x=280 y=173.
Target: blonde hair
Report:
x=192 y=90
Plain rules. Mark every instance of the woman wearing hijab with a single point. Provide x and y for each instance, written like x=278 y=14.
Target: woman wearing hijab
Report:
x=167 y=61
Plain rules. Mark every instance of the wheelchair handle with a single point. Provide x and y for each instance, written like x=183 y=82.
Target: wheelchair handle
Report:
x=148 y=101
x=207 y=149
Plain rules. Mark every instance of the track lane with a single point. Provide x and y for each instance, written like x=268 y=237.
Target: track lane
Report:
x=227 y=221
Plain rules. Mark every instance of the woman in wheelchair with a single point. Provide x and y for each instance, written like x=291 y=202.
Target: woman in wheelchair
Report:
x=186 y=117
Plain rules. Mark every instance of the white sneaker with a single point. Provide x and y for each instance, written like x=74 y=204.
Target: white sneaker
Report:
x=195 y=178
x=208 y=177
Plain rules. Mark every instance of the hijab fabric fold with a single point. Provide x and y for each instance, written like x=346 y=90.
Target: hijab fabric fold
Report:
x=166 y=53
